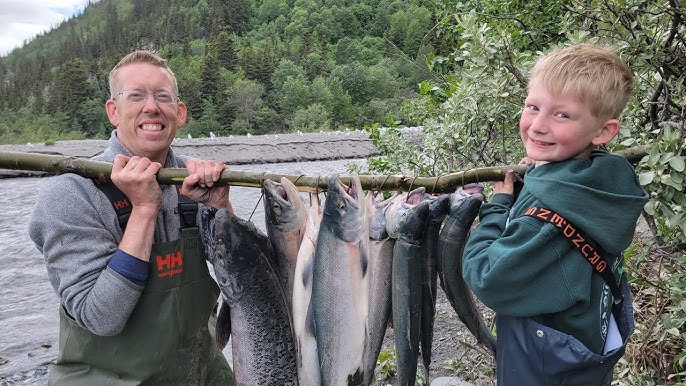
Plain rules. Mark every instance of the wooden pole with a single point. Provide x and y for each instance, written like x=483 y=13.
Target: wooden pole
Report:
x=446 y=183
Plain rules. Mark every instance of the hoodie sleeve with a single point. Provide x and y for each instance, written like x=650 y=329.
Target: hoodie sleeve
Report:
x=510 y=264
x=75 y=228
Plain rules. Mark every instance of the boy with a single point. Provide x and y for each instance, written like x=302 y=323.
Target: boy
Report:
x=535 y=259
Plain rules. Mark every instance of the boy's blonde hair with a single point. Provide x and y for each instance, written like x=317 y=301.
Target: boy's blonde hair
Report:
x=141 y=56
x=595 y=74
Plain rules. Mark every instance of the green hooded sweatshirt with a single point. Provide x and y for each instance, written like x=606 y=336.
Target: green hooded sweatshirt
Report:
x=524 y=267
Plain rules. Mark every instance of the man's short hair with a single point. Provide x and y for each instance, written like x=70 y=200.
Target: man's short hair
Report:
x=594 y=73
x=141 y=56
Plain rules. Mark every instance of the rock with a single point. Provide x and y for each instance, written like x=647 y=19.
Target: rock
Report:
x=450 y=381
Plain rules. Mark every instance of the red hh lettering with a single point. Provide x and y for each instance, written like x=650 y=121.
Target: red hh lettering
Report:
x=121 y=204
x=163 y=262
x=166 y=265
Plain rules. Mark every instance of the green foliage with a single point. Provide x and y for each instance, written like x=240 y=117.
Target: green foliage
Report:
x=470 y=107
x=310 y=119
x=339 y=51
x=661 y=172
x=386 y=364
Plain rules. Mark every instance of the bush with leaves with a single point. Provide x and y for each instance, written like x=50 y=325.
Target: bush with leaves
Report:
x=471 y=105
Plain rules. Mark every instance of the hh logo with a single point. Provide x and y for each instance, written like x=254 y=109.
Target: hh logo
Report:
x=121 y=204
x=170 y=264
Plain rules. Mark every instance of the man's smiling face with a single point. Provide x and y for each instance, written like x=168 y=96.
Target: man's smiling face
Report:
x=145 y=127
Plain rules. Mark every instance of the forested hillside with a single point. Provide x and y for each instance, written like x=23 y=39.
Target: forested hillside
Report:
x=244 y=66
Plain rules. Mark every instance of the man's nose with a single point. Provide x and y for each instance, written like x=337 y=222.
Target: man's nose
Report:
x=150 y=103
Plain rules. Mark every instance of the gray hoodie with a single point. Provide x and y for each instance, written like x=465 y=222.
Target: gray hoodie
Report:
x=76 y=229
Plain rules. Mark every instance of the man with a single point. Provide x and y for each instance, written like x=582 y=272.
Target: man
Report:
x=125 y=256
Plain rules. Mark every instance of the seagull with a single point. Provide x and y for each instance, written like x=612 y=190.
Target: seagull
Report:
x=212 y=136
x=189 y=136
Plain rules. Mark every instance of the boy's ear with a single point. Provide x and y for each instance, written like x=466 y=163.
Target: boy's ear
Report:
x=609 y=130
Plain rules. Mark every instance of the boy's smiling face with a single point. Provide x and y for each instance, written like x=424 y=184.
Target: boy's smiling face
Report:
x=557 y=128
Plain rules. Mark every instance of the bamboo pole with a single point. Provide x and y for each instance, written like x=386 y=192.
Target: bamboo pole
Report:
x=446 y=183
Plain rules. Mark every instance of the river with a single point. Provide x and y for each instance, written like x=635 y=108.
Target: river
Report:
x=28 y=304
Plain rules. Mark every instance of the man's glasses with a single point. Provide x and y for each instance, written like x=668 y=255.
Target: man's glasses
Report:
x=138 y=96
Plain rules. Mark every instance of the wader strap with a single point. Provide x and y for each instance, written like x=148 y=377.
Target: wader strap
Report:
x=594 y=253
x=188 y=208
x=120 y=203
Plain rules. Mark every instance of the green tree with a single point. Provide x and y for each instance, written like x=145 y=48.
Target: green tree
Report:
x=70 y=91
x=246 y=97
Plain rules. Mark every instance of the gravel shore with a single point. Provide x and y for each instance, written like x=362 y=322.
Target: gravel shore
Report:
x=254 y=149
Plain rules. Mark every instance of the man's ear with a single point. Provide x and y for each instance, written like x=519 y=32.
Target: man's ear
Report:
x=181 y=114
x=111 y=108
x=609 y=130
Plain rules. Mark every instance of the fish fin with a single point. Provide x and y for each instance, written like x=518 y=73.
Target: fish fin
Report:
x=223 y=328
x=357 y=378
x=364 y=259
x=307 y=272
x=310 y=326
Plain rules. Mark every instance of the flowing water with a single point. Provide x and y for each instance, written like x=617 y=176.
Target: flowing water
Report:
x=29 y=321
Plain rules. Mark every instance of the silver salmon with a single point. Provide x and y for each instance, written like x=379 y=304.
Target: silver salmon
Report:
x=380 y=305
x=305 y=341
x=340 y=284
x=285 y=215
x=261 y=329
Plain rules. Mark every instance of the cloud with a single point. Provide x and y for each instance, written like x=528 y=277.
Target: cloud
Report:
x=22 y=20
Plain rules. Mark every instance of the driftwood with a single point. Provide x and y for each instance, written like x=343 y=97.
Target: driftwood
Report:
x=439 y=184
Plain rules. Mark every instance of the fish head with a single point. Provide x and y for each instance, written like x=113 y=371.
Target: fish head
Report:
x=283 y=206
x=412 y=222
x=465 y=191
x=467 y=209
x=416 y=196
x=438 y=208
x=377 y=216
x=392 y=216
x=344 y=210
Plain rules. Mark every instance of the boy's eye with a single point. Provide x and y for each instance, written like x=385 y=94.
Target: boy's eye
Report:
x=562 y=115
x=531 y=107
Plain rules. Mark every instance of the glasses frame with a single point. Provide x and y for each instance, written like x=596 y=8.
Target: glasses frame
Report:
x=155 y=95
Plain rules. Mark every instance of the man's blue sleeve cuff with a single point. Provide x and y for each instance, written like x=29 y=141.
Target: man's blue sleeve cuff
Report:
x=130 y=267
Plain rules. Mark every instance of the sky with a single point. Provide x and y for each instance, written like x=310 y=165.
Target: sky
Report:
x=22 y=20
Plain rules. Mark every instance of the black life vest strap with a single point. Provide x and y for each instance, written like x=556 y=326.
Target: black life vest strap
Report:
x=590 y=250
x=188 y=209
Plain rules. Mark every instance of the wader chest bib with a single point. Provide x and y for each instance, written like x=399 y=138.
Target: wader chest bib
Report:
x=166 y=340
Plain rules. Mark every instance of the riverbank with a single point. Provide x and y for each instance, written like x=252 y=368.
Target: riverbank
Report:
x=232 y=150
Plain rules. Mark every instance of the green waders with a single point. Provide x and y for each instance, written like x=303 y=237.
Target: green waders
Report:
x=166 y=340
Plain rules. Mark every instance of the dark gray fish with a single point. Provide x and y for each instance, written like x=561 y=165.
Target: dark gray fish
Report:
x=437 y=211
x=340 y=284
x=261 y=329
x=407 y=290
x=285 y=217
x=399 y=205
x=380 y=288
x=451 y=244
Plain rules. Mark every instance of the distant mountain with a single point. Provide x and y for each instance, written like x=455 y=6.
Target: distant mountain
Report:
x=244 y=66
